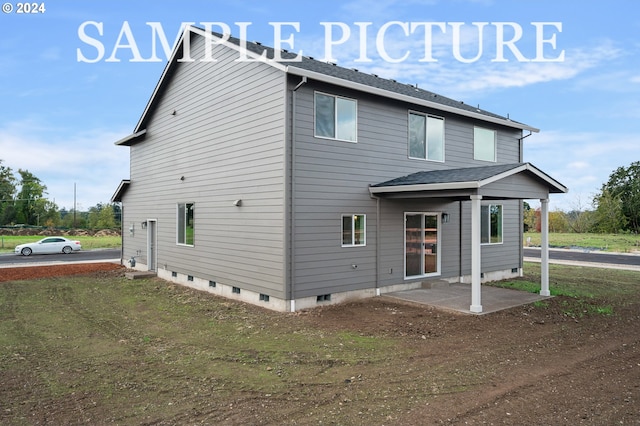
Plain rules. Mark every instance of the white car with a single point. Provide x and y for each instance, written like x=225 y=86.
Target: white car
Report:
x=49 y=245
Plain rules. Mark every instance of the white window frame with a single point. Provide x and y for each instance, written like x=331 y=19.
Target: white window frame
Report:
x=426 y=130
x=353 y=216
x=184 y=224
x=487 y=224
x=438 y=272
x=475 y=144
x=335 y=118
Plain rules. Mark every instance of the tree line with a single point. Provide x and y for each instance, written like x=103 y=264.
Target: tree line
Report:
x=23 y=201
x=615 y=209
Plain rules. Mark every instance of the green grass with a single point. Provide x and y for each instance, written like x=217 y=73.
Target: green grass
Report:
x=105 y=349
x=9 y=242
x=619 y=243
x=142 y=345
x=587 y=291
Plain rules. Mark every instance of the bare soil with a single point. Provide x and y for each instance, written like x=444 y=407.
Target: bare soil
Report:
x=30 y=272
x=526 y=365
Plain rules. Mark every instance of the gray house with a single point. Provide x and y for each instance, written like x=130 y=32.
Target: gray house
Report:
x=292 y=184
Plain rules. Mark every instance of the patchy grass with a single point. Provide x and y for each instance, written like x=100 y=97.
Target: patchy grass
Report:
x=618 y=243
x=9 y=242
x=587 y=290
x=103 y=349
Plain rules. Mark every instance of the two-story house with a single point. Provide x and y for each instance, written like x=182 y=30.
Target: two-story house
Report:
x=295 y=184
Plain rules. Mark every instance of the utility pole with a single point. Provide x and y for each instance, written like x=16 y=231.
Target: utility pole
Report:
x=75 y=206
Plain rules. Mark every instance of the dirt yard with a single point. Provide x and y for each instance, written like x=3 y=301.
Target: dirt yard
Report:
x=531 y=365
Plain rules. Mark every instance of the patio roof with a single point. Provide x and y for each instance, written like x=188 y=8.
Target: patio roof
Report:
x=530 y=181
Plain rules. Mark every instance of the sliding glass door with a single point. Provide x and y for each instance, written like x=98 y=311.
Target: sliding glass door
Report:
x=422 y=241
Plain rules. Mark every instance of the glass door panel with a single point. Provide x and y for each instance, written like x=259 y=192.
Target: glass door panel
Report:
x=413 y=243
x=430 y=244
x=421 y=244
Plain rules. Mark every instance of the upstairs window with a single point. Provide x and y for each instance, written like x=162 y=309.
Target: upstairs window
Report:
x=491 y=224
x=353 y=230
x=335 y=117
x=426 y=137
x=484 y=144
x=185 y=224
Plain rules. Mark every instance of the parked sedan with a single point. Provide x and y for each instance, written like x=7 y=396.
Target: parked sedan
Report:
x=49 y=245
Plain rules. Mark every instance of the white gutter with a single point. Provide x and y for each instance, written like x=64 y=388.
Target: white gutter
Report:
x=292 y=69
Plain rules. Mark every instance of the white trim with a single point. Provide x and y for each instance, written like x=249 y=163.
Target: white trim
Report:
x=438 y=271
x=544 y=254
x=476 y=259
x=152 y=232
x=474 y=184
x=495 y=144
x=425 y=187
x=353 y=244
x=426 y=142
x=185 y=224
x=292 y=69
x=489 y=218
x=335 y=117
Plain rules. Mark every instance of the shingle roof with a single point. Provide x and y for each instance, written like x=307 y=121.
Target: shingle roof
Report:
x=467 y=178
x=355 y=76
x=467 y=174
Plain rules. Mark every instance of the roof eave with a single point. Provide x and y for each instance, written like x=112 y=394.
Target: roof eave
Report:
x=553 y=185
x=122 y=188
x=425 y=187
x=292 y=69
x=132 y=138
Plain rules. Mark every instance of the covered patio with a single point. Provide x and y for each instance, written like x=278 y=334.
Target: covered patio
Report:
x=455 y=297
x=519 y=181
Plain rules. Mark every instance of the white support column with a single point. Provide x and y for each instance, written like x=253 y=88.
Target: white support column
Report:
x=476 y=290
x=544 y=255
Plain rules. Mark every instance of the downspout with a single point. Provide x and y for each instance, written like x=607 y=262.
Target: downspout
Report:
x=378 y=239
x=292 y=239
x=461 y=279
x=521 y=213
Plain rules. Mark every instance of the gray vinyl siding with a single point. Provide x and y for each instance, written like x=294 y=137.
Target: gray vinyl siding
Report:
x=227 y=139
x=392 y=233
x=331 y=178
x=516 y=186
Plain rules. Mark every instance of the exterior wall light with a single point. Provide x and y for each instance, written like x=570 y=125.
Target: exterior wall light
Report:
x=237 y=203
x=445 y=217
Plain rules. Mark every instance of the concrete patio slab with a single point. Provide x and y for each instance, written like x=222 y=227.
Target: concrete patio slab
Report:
x=457 y=297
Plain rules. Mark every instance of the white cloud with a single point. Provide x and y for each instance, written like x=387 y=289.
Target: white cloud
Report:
x=582 y=161
x=60 y=158
x=455 y=79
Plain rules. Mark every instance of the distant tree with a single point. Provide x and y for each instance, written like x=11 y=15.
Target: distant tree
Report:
x=80 y=219
x=558 y=221
x=609 y=214
x=7 y=195
x=101 y=216
x=117 y=213
x=623 y=184
x=31 y=204
x=529 y=217
x=581 y=221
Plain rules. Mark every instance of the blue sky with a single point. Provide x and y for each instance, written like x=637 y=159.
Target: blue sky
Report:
x=61 y=114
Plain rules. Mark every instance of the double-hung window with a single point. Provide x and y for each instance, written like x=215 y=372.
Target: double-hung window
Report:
x=426 y=137
x=335 y=117
x=484 y=144
x=354 y=230
x=491 y=224
x=185 y=224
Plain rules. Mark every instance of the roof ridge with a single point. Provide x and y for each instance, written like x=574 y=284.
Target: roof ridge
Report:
x=328 y=68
